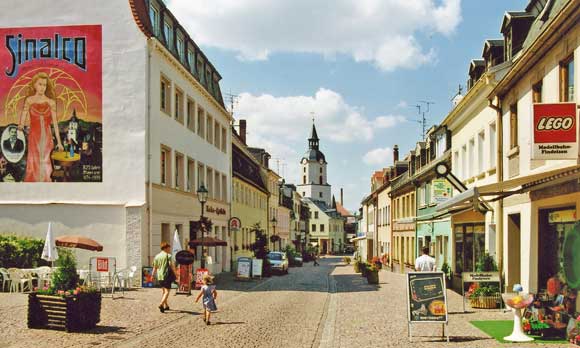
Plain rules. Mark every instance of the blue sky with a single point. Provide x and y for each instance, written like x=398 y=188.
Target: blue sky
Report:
x=360 y=66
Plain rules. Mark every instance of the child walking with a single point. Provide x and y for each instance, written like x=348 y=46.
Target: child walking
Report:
x=209 y=294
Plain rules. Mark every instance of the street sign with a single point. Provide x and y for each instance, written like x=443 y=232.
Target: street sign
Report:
x=426 y=299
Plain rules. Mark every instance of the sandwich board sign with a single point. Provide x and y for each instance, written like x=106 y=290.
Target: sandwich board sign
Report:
x=244 y=268
x=426 y=299
x=257 y=268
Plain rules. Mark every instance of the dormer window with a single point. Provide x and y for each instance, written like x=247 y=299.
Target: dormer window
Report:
x=191 y=60
x=154 y=17
x=180 y=47
x=168 y=34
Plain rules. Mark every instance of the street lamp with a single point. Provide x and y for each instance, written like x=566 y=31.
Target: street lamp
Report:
x=202 y=198
x=274 y=221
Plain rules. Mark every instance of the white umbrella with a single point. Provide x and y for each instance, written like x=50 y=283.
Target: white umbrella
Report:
x=49 y=252
x=176 y=244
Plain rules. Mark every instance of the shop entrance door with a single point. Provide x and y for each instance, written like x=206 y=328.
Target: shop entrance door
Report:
x=513 y=251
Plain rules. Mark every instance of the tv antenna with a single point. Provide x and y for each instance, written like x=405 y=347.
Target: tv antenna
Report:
x=422 y=109
x=232 y=100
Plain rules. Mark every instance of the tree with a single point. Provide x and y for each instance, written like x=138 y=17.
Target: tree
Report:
x=260 y=248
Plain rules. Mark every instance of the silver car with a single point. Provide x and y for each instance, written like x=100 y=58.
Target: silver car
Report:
x=278 y=261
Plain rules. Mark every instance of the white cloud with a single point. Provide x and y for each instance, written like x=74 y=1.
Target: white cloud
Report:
x=389 y=121
x=378 y=157
x=402 y=104
x=383 y=32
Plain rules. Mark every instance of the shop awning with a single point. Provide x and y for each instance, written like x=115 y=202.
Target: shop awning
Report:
x=472 y=197
x=357 y=239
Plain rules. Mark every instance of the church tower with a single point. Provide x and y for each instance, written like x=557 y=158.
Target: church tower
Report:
x=313 y=183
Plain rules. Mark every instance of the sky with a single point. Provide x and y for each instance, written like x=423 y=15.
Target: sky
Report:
x=358 y=67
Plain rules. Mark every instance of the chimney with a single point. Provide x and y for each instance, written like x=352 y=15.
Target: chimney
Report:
x=341 y=197
x=395 y=149
x=243 y=131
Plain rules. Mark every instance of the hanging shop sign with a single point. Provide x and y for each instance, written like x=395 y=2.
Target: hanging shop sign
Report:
x=554 y=131
x=440 y=190
x=235 y=224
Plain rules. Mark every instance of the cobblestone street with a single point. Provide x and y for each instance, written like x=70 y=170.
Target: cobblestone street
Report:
x=326 y=306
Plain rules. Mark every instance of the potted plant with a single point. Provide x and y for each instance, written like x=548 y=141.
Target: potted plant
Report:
x=485 y=296
x=364 y=268
x=377 y=262
x=65 y=305
x=448 y=274
x=372 y=274
x=346 y=260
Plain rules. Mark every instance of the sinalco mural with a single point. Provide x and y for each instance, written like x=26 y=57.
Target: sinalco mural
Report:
x=51 y=104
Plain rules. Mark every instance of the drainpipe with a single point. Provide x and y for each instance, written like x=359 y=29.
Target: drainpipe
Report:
x=499 y=174
x=148 y=140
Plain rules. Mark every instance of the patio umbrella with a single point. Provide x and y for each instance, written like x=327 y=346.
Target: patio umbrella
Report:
x=208 y=242
x=49 y=252
x=79 y=242
x=176 y=247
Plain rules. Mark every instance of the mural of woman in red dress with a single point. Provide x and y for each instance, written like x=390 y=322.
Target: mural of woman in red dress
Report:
x=40 y=112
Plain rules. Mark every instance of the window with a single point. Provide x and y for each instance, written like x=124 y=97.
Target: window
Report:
x=190 y=176
x=218 y=188
x=320 y=180
x=165 y=95
x=321 y=227
x=320 y=194
x=224 y=146
x=200 y=64
x=200 y=122
x=469 y=246
x=316 y=215
x=320 y=170
x=422 y=198
x=513 y=126
x=480 y=151
x=440 y=145
x=224 y=188
x=191 y=60
x=537 y=92
x=303 y=181
x=313 y=228
x=492 y=149
x=216 y=134
x=210 y=188
x=464 y=162
x=165 y=165
x=200 y=174
x=178 y=110
x=471 y=158
x=168 y=33
x=154 y=16
x=209 y=133
x=567 y=79
x=180 y=47
x=191 y=115
x=178 y=171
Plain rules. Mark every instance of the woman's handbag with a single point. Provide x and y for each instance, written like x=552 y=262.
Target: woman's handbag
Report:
x=169 y=275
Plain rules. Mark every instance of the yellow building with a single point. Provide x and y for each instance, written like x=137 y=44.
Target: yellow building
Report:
x=250 y=195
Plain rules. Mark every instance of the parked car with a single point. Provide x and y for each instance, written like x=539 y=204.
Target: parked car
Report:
x=349 y=249
x=278 y=261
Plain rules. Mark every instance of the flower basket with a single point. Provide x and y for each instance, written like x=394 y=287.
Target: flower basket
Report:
x=373 y=277
x=485 y=302
x=69 y=313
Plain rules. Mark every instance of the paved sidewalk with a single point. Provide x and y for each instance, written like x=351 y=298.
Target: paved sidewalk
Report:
x=121 y=318
x=375 y=316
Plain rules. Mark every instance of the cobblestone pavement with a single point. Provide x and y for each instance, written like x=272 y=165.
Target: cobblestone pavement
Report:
x=326 y=306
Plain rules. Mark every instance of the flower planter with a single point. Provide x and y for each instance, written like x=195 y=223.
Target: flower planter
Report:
x=71 y=313
x=363 y=271
x=485 y=302
x=373 y=277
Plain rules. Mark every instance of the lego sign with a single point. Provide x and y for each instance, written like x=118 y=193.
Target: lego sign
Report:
x=102 y=264
x=555 y=131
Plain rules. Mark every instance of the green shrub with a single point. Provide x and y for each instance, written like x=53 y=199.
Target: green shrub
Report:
x=65 y=277
x=21 y=252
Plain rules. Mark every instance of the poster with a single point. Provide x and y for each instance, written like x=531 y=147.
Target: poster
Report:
x=184 y=279
x=440 y=190
x=199 y=273
x=51 y=104
x=257 y=267
x=244 y=267
x=554 y=131
x=426 y=297
x=147 y=277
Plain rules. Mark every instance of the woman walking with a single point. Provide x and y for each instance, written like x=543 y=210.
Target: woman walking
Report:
x=165 y=270
x=209 y=294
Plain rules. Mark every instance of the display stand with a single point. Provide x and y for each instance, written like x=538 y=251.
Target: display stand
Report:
x=517 y=334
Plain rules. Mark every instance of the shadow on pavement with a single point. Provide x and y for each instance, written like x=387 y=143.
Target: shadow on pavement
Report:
x=104 y=330
x=452 y=338
x=353 y=283
x=228 y=323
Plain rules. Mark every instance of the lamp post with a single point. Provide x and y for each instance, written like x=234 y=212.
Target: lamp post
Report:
x=202 y=198
x=274 y=221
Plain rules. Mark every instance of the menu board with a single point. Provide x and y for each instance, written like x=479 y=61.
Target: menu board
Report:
x=426 y=297
x=256 y=268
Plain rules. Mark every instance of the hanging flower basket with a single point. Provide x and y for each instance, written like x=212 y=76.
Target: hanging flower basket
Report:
x=485 y=302
x=78 y=312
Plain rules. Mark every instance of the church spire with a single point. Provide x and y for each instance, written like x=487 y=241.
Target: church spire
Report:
x=313 y=140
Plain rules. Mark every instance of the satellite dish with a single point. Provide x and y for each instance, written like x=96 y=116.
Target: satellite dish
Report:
x=572 y=257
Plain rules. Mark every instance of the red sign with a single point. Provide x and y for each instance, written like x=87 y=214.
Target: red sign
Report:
x=184 y=279
x=102 y=264
x=235 y=224
x=555 y=131
x=199 y=273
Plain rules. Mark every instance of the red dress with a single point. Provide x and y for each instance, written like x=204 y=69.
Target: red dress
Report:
x=40 y=144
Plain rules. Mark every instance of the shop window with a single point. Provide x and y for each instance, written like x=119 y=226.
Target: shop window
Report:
x=567 y=79
x=469 y=246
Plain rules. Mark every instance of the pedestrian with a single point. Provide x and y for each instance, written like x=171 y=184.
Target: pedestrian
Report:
x=209 y=294
x=165 y=270
x=425 y=263
x=315 y=259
